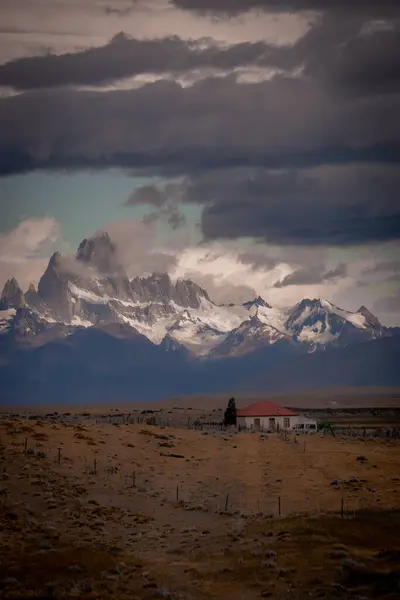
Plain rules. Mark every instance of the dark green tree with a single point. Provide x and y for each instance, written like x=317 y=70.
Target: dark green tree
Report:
x=230 y=413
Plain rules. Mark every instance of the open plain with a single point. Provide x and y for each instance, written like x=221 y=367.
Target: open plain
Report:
x=109 y=510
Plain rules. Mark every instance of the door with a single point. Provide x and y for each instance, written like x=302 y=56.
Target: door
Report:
x=272 y=424
x=257 y=424
x=286 y=423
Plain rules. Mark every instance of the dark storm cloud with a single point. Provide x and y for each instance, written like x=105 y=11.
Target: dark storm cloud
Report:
x=169 y=214
x=126 y=57
x=352 y=54
x=343 y=206
x=147 y=194
x=240 y=6
x=165 y=199
x=157 y=195
x=346 y=54
x=258 y=261
x=346 y=205
x=313 y=275
x=249 y=150
x=120 y=12
x=214 y=123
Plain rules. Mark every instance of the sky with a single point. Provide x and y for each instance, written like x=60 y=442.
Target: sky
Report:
x=251 y=145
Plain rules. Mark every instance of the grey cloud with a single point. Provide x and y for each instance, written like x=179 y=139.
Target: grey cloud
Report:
x=137 y=247
x=232 y=7
x=387 y=266
x=147 y=194
x=163 y=198
x=336 y=206
x=169 y=213
x=347 y=53
x=389 y=304
x=384 y=271
x=123 y=10
x=248 y=149
x=157 y=195
x=175 y=218
x=258 y=260
x=341 y=53
x=312 y=276
x=393 y=278
x=324 y=206
x=126 y=57
x=215 y=123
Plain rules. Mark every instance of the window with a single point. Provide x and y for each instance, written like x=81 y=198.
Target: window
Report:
x=286 y=423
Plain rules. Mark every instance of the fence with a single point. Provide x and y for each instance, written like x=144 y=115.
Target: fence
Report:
x=224 y=498
x=170 y=419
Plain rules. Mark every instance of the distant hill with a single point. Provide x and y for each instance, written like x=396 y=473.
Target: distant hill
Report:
x=374 y=363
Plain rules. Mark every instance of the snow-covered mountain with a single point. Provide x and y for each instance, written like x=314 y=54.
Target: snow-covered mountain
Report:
x=93 y=289
x=251 y=335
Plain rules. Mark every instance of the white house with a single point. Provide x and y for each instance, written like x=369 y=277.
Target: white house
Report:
x=268 y=416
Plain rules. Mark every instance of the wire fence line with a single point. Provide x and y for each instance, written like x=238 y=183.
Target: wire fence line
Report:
x=267 y=500
x=212 y=423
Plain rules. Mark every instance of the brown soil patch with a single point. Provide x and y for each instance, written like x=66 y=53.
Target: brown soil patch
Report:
x=151 y=513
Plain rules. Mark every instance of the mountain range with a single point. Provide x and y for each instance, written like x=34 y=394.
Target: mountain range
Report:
x=89 y=333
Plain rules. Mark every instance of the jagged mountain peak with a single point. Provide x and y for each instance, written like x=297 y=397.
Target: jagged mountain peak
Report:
x=12 y=296
x=314 y=302
x=190 y=292
x=251 y=335
x=170 y=344
x=55 y=259
x=99 y=251
x=155 y=277
x=159 y=287
x=369 y=317
x=259 y=301
x=11 y=284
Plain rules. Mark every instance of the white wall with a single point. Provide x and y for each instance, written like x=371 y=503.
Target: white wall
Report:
x=248 y=422
x=295 y=421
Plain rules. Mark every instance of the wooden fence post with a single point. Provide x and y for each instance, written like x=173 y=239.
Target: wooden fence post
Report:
x=279 y=506
x=226 y=502
x=342 y=509
x=59 y=455
x=177 y=494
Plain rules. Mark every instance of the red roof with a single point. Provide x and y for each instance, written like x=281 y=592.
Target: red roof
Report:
x=265 y=409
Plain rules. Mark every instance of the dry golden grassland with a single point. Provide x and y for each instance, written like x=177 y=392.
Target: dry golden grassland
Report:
x=132 y=511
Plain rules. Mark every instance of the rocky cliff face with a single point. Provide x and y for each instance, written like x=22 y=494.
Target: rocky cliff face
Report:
x=98 y=254
x=92 y=288
x=370 y=319
x=53 y=287
x=12 y=295
x=159 y=288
